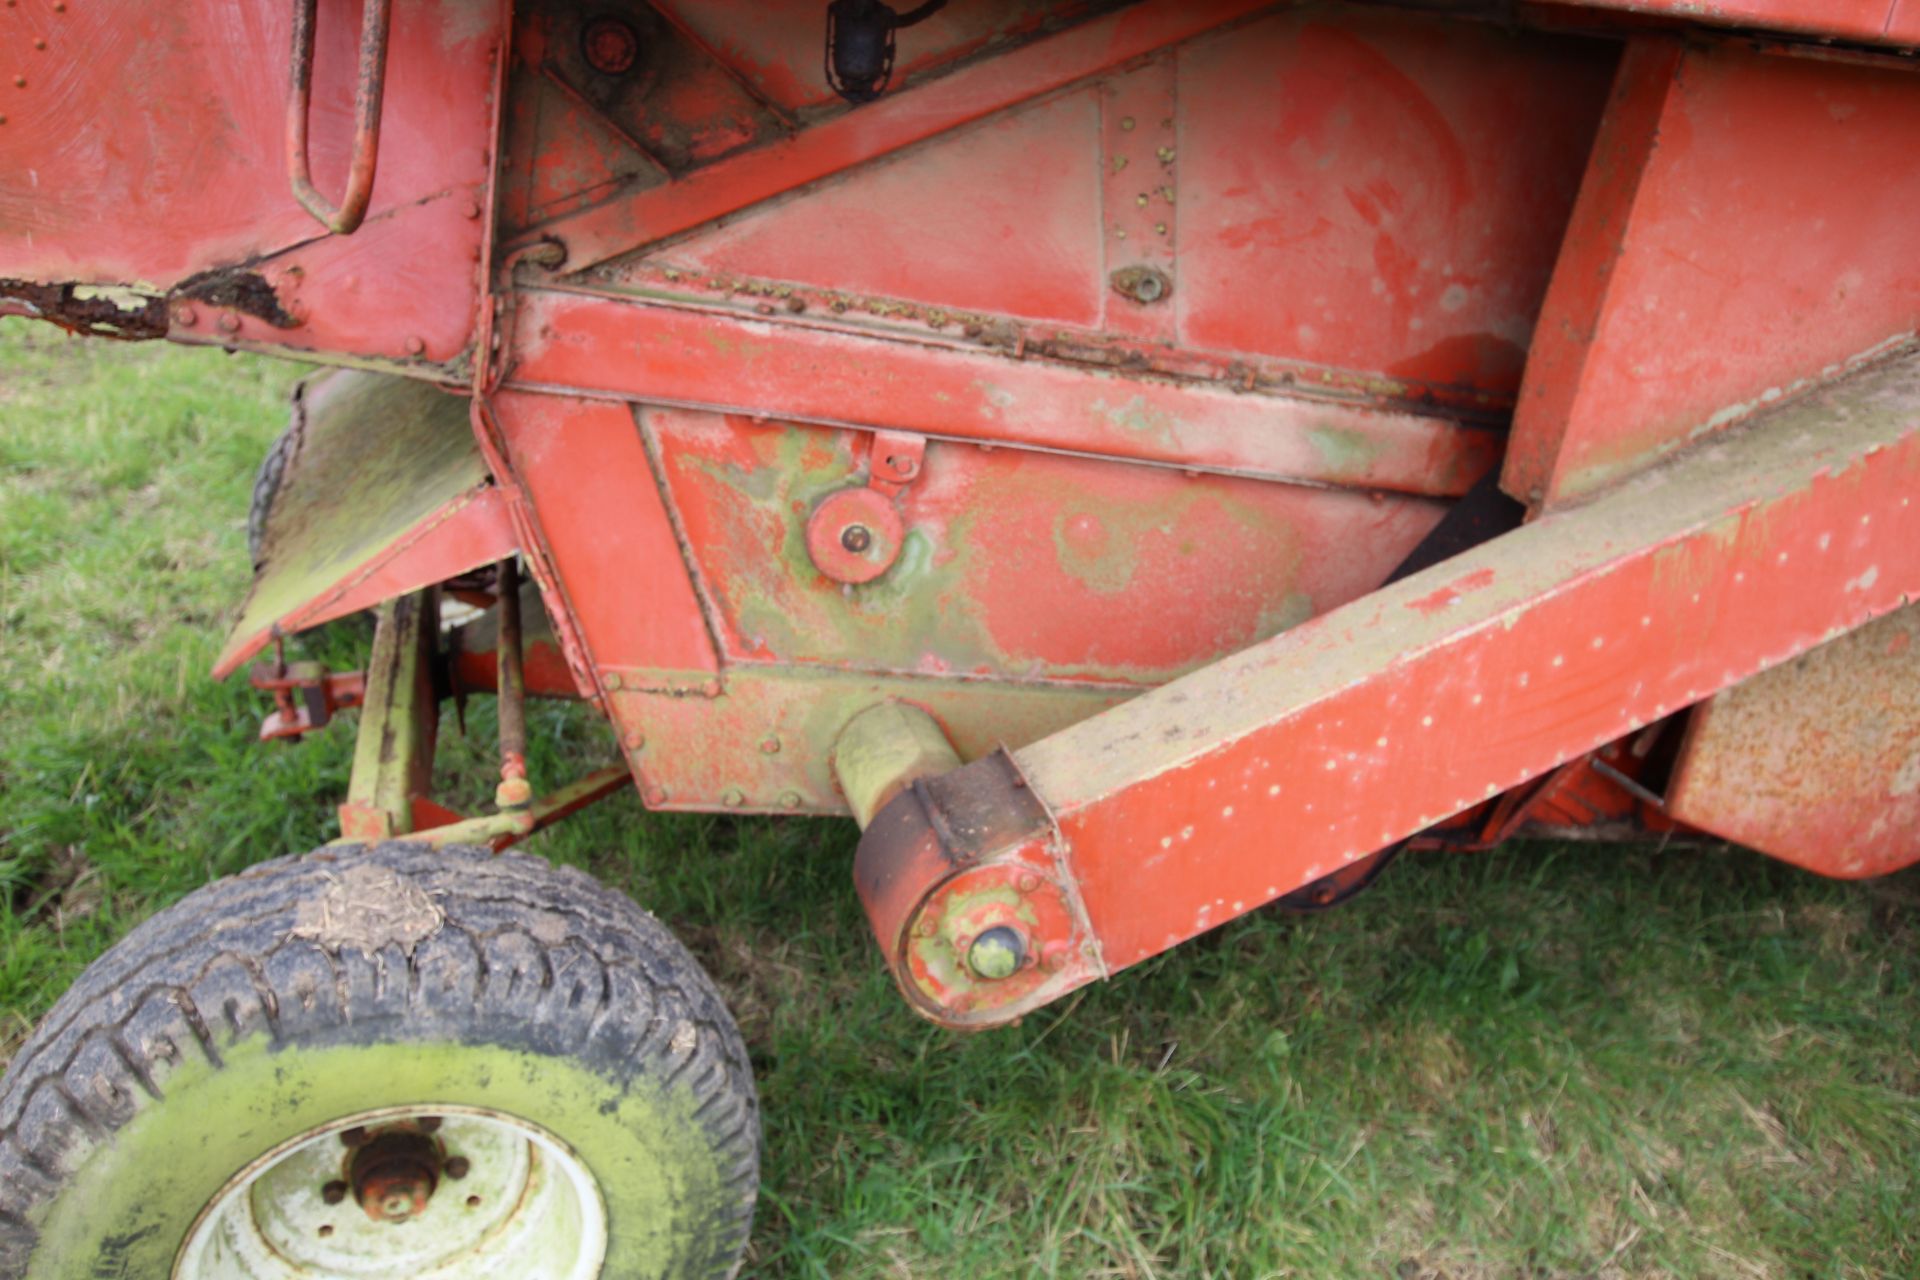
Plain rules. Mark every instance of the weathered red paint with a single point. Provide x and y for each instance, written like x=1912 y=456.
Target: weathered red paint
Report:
x=1817 y=761
x=1204 y=799
x=1191 y=318
x=569 y=342
x=100 y=185
x=1745 y=231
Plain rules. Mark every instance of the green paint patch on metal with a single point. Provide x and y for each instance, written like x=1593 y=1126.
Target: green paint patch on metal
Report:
x=133 y=1203
x=1345 y=452
x=377 y=455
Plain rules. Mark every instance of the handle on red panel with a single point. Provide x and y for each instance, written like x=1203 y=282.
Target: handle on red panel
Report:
x=369 y=89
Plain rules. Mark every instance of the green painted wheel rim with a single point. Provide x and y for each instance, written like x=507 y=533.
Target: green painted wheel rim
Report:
x=523 y=1205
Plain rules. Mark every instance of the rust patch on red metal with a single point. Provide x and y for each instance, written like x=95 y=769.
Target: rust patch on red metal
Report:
x=1816 y=762
x=237 y=289
x=91 y=311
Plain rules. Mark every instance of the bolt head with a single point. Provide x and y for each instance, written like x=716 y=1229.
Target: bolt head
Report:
x=1028 y=882
x=334 y=1192
x=856 y=538
x=457 y=1167
x=610 y=46
x=997 y=954
x=734 y=798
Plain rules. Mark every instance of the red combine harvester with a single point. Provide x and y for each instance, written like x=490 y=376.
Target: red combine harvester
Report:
x=1143 y=461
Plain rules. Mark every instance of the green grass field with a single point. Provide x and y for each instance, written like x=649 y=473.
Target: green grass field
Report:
x=1546 y=1062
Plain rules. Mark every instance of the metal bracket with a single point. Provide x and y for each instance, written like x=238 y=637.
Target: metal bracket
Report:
x=369 y=91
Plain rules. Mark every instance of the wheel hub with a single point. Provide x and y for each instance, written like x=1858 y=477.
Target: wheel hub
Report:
x=444 y=1194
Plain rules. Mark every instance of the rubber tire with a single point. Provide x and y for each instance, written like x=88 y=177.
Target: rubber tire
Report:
x=273 y=468
x=242 y=1016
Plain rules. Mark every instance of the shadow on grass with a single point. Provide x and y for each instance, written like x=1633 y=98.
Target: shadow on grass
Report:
x=1545 y=1061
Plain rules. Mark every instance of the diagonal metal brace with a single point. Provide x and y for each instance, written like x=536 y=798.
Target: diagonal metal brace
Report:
x=1159 y=819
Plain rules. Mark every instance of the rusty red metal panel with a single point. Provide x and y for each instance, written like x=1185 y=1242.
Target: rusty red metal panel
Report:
x=1817 y=761
x=568 y=341
x=1016 y=564
x=592 y=493
x=1768 y=242
x=1139 y=163
x=1589 y=254
x=1407 y=179
x=877 y=129
x=1012 y=206
x=765 y=743
x=95 y=188
x=1903 y=24
x=1379 y=191
x=1203 y=799
x=1848 y=19
x=777 y=48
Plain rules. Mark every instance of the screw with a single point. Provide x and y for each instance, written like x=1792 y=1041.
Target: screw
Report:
x=770 y=745
x=733 y=798
x=334 y=1192
x=1028 y=882
x=856 y=538
x=457 y=1167
x=416 y=346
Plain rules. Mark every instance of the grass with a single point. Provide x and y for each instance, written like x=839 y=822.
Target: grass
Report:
x=1543 y=1062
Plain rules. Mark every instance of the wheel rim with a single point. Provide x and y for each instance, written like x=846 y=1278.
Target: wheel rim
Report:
x=451 y=1193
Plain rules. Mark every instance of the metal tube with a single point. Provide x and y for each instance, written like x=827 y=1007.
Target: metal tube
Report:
x=514 y=791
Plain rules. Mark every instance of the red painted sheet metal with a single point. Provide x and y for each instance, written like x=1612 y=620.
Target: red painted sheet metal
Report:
x=1021 y=565
x=1870 y=20
x=874 y=130
x=1818 y=761
x=1002 y=218
x=1367 y=191
x=578 y=342
x=591 y=488
x=777 y=48
x=145 y=146
x=1747 y=228
x=1205 y=798
x=1379 y=191
x=1903 y=24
